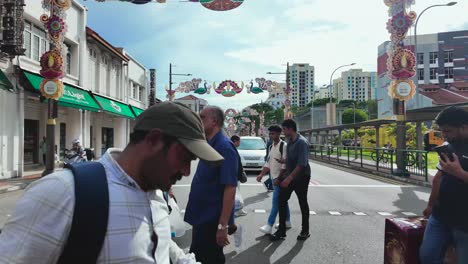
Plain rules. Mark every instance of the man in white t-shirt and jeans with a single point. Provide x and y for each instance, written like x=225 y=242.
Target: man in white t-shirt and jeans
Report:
x=275 y=164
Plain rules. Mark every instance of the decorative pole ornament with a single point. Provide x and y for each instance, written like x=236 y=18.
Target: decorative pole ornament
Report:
x=52 y=61
x=287 y=91
x=229 y=117
x=401 y=63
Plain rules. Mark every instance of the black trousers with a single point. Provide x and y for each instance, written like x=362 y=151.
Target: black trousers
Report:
x=44 y=159
x=204 y=244
x=300 y=187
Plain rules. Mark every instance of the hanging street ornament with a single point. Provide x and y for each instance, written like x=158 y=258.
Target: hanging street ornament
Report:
x=221 y=5
x=399 y=25
x=228 y=88
x=402 y=90
x=401 y=63
x=52 y=61
x=203 y=90
x=51 y=88
x=52 y=65
x=55 y=26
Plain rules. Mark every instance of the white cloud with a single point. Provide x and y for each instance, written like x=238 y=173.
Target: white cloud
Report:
x=340 y=32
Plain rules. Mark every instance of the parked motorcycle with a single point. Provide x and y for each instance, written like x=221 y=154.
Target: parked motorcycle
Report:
x=72 y=157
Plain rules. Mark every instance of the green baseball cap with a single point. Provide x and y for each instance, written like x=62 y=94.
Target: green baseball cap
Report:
x=176 y=119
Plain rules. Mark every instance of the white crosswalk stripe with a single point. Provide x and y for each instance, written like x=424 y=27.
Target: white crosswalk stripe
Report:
x=337 y=213
x=409 y=214
x=384 y=214
x=359 y=213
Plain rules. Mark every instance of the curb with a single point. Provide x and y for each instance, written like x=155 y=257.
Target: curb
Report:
x=12 y=188
x=16 y=184
x=374 y=174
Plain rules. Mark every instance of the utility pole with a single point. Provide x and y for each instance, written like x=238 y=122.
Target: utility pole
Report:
x=170 y=79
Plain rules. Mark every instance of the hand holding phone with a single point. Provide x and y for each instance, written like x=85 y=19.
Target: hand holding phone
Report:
x=443 y=149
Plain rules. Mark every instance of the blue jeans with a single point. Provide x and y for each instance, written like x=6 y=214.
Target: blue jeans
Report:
x=275 y=208
x=437 y=237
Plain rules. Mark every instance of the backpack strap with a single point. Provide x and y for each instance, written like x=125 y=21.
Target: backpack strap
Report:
x=90 y=216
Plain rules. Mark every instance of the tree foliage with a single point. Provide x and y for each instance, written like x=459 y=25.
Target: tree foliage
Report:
x=348 y=116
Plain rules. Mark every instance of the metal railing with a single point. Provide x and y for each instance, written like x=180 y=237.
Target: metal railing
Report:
x=378 y=159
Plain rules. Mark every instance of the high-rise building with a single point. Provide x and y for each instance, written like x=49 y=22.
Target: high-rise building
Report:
x=356 y=85
x=442 y=71
x=302 y=78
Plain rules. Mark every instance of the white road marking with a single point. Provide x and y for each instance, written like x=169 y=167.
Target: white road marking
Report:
x=314 y=182
x=334 y=213
x=312 y=213
x=384 y=214
x=260 y=211
x=409 y=214
x=359 y=213
x=14 y=188
x=321 y=186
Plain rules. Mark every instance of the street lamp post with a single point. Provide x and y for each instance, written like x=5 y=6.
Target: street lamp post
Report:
x=331 y=77
x=416 y=47
x=287 y=109
x=170 y=79
x=331 y=108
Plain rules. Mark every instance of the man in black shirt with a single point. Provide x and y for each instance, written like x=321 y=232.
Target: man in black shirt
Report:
x=295 y=179
x=448 y=223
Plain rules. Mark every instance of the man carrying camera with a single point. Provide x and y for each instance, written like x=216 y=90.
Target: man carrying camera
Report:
x=448 y=221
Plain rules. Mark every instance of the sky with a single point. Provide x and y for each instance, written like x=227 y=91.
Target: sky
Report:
x=259 y=36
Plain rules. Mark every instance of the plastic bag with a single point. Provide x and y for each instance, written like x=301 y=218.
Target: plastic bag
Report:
x=178 y=226
x=239 y=201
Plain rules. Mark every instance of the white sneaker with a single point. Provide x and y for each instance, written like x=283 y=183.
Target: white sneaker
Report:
x=240 y=212
x=266 y=229
x=238 y=236
x=288 y=225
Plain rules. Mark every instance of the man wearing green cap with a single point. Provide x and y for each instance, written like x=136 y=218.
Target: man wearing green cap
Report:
x=165 y=139
x=211 y=200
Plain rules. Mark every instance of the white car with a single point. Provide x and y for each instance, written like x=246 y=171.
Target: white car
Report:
x=252 y=151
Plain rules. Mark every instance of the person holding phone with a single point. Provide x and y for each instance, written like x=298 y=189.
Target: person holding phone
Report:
x=448 y=204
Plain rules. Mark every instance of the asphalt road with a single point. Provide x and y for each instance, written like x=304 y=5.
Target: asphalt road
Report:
x=347 y=218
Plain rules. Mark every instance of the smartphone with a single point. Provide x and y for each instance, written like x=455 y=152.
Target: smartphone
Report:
x=444 y=149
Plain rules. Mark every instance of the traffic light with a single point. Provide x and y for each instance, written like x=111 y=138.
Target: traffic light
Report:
x=11 y=12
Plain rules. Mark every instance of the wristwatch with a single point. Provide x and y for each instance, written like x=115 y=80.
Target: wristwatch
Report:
x=221 y=227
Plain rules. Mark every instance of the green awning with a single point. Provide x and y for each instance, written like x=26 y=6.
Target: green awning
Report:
x=4 y=82
x=114 y=107
x=137 y=111
x=72 y=96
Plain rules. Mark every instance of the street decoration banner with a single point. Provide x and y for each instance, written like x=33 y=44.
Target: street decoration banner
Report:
x=401 y=61
x=52 y=62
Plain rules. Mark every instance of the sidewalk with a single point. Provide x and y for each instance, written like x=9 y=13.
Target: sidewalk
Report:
x=14 y=184
x=368 y=165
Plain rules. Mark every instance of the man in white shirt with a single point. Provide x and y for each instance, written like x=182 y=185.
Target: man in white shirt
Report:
x=275 y=164
x=166 y=138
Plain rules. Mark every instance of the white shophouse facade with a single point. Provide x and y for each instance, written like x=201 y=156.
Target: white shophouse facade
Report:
x=97 y=84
